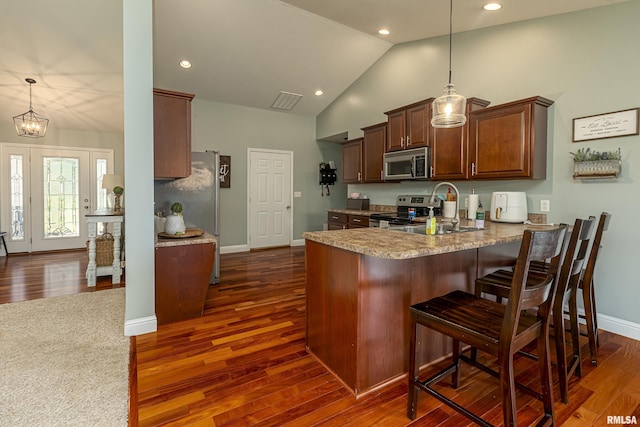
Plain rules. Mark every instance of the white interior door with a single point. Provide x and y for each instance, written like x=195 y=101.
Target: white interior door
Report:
x=60 y=198
x=270 y=213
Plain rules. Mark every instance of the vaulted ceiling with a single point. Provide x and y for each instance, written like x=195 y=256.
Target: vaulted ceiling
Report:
x=243 y=51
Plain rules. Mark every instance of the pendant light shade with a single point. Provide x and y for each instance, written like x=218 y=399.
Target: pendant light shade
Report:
x=448 y=110
x=31 y=124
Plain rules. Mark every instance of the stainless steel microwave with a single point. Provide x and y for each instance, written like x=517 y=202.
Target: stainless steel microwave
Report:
x=407 y=164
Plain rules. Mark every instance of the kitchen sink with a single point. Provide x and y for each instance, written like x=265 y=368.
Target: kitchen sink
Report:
x=443 y=229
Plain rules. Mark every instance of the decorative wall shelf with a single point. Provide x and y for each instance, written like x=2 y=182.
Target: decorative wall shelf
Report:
x=597 y=169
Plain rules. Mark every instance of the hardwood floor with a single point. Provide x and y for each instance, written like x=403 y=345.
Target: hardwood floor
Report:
x=26 y=277
x=244 y=362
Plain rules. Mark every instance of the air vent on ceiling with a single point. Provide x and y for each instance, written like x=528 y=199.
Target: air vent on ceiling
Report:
x=286 y=101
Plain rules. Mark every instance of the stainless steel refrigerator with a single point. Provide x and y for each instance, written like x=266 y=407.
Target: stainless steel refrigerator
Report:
x=200 y=198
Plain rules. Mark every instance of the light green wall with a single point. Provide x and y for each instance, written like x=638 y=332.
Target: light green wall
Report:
x=586 y=62
x=72 y=138
x=231 y=129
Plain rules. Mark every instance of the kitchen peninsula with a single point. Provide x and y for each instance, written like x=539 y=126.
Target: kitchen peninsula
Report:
x=182 y=270
x=361 y=282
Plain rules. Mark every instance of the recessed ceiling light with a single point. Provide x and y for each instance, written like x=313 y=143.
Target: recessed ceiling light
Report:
x=492 y=6
x=384 y=32
x=319 y=92
x=185 y=63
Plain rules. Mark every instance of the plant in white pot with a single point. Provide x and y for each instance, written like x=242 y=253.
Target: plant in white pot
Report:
x=175 y=222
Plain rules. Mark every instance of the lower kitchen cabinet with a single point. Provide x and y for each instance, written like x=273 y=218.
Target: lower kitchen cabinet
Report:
x=182 y=280
x=340 y=221
x=509 y=141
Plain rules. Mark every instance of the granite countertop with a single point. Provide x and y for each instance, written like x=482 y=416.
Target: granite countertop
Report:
x=392 y=244
x=205 y=238
x=373 y=209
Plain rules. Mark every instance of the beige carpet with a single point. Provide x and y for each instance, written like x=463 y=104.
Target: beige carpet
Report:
x=64 y=361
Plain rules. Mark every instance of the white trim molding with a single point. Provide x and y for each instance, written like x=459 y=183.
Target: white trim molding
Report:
x=140 y=326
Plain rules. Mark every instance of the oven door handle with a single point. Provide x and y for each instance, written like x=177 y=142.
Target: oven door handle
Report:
x=413 y=165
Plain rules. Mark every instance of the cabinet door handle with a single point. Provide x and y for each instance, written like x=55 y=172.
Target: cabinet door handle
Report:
x=402 y=141
x=356 y=220
x=359 y=177
x=334 y=217
x=473 y=168
x=431 y=171
x=408 y=140
x=381 y=175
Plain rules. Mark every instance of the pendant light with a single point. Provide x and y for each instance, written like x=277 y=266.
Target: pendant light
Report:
x=31 y=124
x=449 y=108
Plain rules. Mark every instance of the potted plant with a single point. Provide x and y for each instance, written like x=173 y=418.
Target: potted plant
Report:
x=596 y=164
x=117 y=190
x=175 y=222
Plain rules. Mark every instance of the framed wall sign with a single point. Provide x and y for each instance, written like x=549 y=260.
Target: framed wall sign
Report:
x=608 y=125
x=225 y=171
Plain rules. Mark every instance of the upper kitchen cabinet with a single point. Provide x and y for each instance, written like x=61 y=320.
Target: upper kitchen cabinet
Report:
x=408 y=126
x=172 y=134
x=352 y=161
x=375 y=138
x=509 y=141
x=450 y=147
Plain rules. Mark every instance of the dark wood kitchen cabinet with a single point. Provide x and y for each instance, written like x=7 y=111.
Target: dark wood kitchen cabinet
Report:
x=182 y=280
x=375 y=138
x=352 y=161
x=509 y=141
x=450 y=147
x=409 y=126
x=337 y=221
x=171 y=134
x=341 y=221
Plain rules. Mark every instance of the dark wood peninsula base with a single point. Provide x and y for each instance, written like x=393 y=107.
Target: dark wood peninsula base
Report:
x=358 y=307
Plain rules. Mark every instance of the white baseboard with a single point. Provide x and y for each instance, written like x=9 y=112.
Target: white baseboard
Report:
x=246 y=248
x=619 y=326
x=234 y=249
x=613 y=325
x=140 y=326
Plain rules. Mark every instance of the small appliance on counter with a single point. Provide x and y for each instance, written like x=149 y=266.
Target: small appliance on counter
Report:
x=358 y=204
x=508 y=206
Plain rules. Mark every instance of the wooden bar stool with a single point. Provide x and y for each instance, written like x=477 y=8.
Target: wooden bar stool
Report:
x=2 y=234
x=498 y=329
x=575 y=248
x=586 y=283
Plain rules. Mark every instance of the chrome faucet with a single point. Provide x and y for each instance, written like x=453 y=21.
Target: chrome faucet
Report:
x=432 y=203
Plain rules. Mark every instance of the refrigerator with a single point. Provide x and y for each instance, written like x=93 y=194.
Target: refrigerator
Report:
x=200 y=198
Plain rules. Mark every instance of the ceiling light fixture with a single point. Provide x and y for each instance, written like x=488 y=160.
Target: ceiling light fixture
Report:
x=384 y=32
x=319 y=92
x=31 y=124
x=185 y=63
x=492 y=6
x=449 y=108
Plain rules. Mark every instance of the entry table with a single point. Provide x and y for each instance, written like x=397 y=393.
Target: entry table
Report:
x=115 y=270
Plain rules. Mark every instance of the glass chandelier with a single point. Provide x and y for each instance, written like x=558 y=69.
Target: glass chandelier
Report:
x=30 y=124
x=449 y=108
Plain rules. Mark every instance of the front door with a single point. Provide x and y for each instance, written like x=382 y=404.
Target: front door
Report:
x=46 y=192
x=270 y=216
x=60 y=198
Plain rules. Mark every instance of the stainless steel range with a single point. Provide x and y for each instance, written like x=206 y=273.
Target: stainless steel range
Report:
x=405 y=206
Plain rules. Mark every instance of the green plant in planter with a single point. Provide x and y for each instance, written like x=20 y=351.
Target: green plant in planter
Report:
x=176 y=208
x=586 y=155
x=117 y=190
